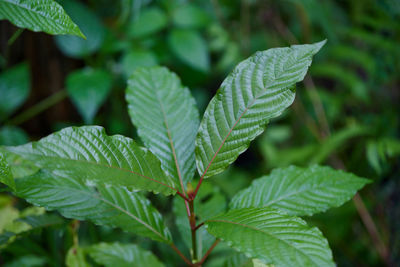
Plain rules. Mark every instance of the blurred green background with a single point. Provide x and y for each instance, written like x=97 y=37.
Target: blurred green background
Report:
x=346 y=112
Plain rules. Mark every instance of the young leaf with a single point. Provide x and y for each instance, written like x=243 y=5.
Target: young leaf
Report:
x=272 y=236
x=76 y=257
x=190 y=47
x=6 y=176
x=122 y=255
x=14 y=88
x=88 y=89
x=167 y=119
x=113 y=206
x=88 y=153
x=39 y=15
x=259 y=88
x=300 y=191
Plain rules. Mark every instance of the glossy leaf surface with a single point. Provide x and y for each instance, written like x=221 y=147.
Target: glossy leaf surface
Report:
x=300 y=191
x=113 y=206
x=39 y=15
x=167 y=119
x=259 y=88
x=272 y=236
x=88 y=153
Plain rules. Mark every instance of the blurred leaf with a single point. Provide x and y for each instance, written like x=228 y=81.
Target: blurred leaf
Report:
x=243 y=106
x=5 y=173
x=90 y=25
x=89 y=154
x=88 y=89
x=150 y=21
x=137 y=58
x=190 y=47
x=40 y=15
x=190 y=16
x=113 y=206
x=76 y=257
x=12 y=136
x=379 y=151
x=167 y=119
x=300 y=191
x=122 y=255
x=272 y=236
x=14 y=89
x=27 y=261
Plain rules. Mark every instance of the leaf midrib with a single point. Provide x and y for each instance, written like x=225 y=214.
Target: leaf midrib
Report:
x=266 y=233
x=106 y=166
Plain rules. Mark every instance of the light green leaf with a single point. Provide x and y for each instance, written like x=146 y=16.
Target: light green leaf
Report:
x=272 y=236
x=12 y=136
x=150 y=21
x=89 y=154
x=167 y=119
x=76 y=257
x=14 y=88
x=39 y=15
x=113 y=206
x=259 y=88
x=88 y=89
x=122 y=255
x=6 y=176
x=190 y=16
x=137 y=58
x=190 y=47
x=90 y=25
x=300 y=191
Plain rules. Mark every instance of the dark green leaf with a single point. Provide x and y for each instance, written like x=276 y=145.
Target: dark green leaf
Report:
x=12 y=136
x=150 y=21
x=190 y=16
x=259 y=88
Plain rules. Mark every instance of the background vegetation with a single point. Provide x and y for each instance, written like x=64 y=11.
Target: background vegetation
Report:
x=346 y=112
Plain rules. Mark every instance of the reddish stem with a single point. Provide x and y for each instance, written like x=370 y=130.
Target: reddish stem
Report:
x=181 y=255
x=207 y=253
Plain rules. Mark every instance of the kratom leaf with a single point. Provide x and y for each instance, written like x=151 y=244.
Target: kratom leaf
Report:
x=300 y=191
x=137 y=58
x=12 y=136
x=88 y=153
x=39 y=15
x=272 y=236
x=14 y=88
x=88 y=89
x=91 y=26
x=166 y=117
x=122 y=255
x=150 y=21
x=6 y=176
x=113 y=206
x=190 y=47
x=190 y=16
x=259 y=88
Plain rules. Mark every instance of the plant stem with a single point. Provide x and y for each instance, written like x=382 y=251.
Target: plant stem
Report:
x=181 y=255
x=192 y=221
x=38 y=108
x=15 y=36
x=207 y=253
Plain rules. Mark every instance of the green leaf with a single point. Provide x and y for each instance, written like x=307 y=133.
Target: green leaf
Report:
x=6 y=176
x=113 y=206
x=14 y=88
x=90 y=25
x=88 y=89
x=259 y=88
x=272 y=236
x=167 y=119
x=122 y=255
x=12 y=136
x=190 y=16
x=76 y=257
x=137 y=58
x=39 y=15
x=190 y=47
x=150 y=21
x=300 y=191
x=88 y=153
